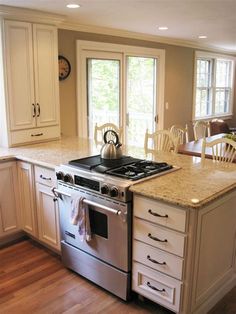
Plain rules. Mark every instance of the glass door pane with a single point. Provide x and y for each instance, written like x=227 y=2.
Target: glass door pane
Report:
x=103 y=92
x=141 y=99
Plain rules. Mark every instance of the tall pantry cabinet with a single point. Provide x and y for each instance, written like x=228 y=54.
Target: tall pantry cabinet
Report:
x=29 y=96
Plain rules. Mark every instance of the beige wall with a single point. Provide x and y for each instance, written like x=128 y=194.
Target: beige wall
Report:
x=179 y=65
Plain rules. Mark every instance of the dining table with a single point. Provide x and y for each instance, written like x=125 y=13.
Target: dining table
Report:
x=194 y=148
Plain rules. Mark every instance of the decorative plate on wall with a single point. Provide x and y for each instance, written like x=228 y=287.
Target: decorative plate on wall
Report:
x=64 y=68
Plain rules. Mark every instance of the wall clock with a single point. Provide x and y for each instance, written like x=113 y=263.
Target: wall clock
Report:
x=64 y=68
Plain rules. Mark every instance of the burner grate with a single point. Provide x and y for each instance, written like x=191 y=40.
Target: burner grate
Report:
x=140 y=169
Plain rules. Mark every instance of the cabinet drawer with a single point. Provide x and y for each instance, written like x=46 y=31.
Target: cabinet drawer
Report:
x=45 y=176
x=157 y=236
x=34 y=135
x=157 y=287
x=162 y=214
x=157 y=259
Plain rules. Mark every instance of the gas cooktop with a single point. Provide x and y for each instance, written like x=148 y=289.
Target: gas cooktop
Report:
x=126 y=167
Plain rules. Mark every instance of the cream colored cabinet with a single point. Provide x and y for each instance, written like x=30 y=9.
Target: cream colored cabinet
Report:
x=183 y=259
x=47 y=208
x=9 y=218
x=30 y=76
x=158 y=251
x=27 y=197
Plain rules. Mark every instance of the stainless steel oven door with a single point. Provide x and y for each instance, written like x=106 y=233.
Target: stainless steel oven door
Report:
x=111 y=233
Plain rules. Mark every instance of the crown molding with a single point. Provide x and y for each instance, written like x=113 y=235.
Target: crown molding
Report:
x=140 y=36
x=29 y=15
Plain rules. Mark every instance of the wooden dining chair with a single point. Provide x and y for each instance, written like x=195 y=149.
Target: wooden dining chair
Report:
x=180 y=133
x=218 y=126
x=201 y=129
x=161 y=140
x=222 y=150
x=100 y=130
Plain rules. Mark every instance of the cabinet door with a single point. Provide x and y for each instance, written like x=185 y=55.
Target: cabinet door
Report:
x=27 y=200
x=8 y=198
x=46 y=74
x=48 y=221
x=19 y=70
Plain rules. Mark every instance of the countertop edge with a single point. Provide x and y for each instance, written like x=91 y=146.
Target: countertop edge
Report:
x=189 y=205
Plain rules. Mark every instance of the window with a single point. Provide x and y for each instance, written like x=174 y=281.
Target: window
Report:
x=213 y=86
x=103 y=92
x=119 y=84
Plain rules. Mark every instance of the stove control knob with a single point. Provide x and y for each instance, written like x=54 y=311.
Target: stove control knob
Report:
x=114 y=191
x=104 y=189
x=68 y=178
x=59 y=175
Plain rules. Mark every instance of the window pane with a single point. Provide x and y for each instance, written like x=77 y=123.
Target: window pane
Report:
x=141 y=100
x=223 y=73
x=222 y=97
x=203 y=73
x=203 y=91
x=202 y=102
x=103 y=92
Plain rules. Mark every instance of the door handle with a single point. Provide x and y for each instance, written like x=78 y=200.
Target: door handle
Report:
x=34 y=110
x=57 y=193
x=38 y=107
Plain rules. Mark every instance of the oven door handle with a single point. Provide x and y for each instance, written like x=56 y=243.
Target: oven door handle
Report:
x=57 y=193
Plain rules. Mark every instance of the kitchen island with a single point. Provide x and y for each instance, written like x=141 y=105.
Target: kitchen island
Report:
x=201 y=196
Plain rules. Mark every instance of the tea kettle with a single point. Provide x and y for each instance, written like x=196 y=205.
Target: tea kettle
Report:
x=112 y=148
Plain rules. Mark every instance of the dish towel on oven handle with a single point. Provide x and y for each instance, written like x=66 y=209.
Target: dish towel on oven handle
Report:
x=80 y=217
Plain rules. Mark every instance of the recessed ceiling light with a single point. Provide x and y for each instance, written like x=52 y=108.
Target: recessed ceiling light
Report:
x=73 y=6
x=202 y=37
x=163 y=28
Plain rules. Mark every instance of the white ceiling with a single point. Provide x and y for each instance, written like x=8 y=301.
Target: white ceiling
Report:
x=186 y=19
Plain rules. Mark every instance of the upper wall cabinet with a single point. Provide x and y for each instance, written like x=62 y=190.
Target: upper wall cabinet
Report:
x=30 y=78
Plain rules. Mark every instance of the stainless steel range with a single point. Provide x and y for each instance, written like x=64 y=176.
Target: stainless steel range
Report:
x=104 y=188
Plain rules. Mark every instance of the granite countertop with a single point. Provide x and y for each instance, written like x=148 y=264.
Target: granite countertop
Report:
x=194 y=185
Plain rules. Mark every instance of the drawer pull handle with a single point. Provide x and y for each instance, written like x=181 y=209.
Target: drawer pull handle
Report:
x=37 y=134
x=154 y=288
x=44 y=178
x=156 y=214
x=154 y=261
x=156 y=239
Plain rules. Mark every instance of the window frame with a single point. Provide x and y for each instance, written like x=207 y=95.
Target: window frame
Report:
x=213 y=57
x=82 y=47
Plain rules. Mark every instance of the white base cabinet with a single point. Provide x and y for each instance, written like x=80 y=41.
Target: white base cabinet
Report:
x=27 y=198
x=9 y=213
x=184 y=259
x=159 y=241
x=47 y=208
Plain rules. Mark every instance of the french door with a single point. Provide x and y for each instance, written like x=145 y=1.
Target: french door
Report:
x=120 y=88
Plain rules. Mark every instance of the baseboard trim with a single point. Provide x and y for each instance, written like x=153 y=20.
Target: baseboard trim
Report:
x=12 y=239
x=216 y=297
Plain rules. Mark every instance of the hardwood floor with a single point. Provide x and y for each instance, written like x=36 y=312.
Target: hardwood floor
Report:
x=33 y=280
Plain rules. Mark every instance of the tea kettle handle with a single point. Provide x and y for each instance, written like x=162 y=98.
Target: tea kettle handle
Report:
x=114 y=133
